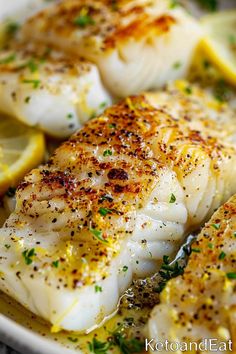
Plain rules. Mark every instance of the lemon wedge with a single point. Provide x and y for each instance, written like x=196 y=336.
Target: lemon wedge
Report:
x=21 y=149
x=219 y=44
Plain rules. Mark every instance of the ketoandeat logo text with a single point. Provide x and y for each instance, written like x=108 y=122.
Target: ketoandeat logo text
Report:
x=209 y=344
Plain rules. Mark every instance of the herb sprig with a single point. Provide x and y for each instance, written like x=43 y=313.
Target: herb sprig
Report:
x=167 y=272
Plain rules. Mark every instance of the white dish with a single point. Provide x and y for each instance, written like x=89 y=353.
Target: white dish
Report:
x=24 y=332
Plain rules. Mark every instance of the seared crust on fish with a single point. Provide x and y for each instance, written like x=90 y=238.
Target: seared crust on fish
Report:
x=111 y=201
x=201 y=303
x=49 y=90
x=133 y=42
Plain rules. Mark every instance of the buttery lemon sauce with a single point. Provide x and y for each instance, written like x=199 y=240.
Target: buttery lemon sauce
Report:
x=129 y=322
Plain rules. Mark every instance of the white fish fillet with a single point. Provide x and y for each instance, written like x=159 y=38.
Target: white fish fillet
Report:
x=19 y=10
x=136 y=44
x=201 y=304
x=115 y=198
x=49 y=91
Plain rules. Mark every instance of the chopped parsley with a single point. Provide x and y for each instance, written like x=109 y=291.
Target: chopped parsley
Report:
x=107 y=153
x=112 y=126
x=222 y=255
x=168 y=272
x=12 y=28
x=28 y=255
x=231 y=275
x=73 y=340
x=55 y=264
x=98 y=234
x=98 y=289
x=35 y=83
x=69 y=116
x=104 y=211
x=98 y=347
x=188 y=90
x=27 y=99
x=196 y=250
x=173 y=4
x=32 y=65
x=126 y=345
x=177 y=65
x=125 y=268
x=172 y=198
x=103 y=105
x=235 y=234
x=83 y=20
x=7 y=246
x=210 y=245
x=216 y=226
x=9 y=59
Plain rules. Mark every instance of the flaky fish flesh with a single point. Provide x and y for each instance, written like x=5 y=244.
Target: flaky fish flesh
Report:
x=50 y=91
x=117 y=196
x=200 y=306
x=136 y=44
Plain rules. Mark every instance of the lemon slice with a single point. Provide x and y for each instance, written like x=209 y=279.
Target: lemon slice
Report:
x=21 y=149
x=219 y=44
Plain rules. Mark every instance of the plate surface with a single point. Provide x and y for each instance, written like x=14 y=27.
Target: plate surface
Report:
x=22 y=330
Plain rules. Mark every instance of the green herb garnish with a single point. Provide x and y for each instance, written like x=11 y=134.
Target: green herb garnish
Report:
x=216 y=226
x=69 y=116
x=104 y=211
x=231 y=275
x=103 y=105
x=10 y=58
x=98 y=234
x=7 y=246
x=32 y=65
x=107 y=153
x=188 y=90
x=28 y=255
x=126 y=345
x=222 y=255
x=35 y=83
x=55 y=264
x=173 y=4
x=112 y=126
x=12 y=28
x=125 y=268
x=196 y=250
x=177 y=65
x=168 y=272
x=98 y=289
x=98 y=347
x=172 y=198
x=83 y=20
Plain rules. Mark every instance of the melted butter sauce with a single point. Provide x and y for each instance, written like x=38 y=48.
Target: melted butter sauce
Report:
x=133 y=313
x=134 y=320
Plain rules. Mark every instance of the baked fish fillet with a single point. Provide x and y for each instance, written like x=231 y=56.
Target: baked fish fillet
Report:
x=201 y=304
x=111 y=201
x=45 y=89
x=21 y=9
x=136 y=44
